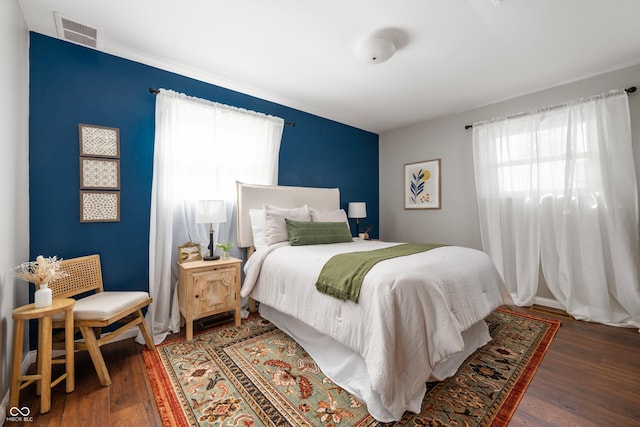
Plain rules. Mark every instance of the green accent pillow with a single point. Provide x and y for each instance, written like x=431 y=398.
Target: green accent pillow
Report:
x=317 y=233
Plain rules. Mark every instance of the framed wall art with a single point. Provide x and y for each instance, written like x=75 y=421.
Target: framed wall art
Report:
x=99 y=141
x=422 y=185
x=99 y=174
x=189 y=252
x=99 y=206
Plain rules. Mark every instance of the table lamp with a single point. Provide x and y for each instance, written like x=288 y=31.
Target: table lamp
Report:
x=210 y=212
x=357 y=210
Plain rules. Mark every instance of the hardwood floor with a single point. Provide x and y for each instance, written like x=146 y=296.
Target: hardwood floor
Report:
x=589 y=377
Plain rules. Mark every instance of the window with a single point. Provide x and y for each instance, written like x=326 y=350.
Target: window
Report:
x=542 y=159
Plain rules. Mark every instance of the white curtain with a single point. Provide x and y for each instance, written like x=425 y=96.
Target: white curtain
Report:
x=557 y=194
x=201 y=149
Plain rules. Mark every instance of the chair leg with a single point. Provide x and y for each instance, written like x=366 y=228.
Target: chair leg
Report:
x=96 y=355
x=69 y=355
x=148 y=338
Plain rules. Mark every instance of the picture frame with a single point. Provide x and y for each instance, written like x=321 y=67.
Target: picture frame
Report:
x=99 y=173
x=99 y=206
x=422 y=185
x=189 y=252
x=99 y=141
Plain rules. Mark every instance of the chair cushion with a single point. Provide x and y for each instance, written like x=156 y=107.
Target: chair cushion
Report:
x=103 y=305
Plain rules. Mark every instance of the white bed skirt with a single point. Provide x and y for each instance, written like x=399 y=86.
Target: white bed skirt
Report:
x=347 y=369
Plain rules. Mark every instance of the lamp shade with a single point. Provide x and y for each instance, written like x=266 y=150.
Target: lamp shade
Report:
x=210 y=211
x=357 y=210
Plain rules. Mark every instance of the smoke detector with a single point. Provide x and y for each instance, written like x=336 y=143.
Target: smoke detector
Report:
x=75 y=32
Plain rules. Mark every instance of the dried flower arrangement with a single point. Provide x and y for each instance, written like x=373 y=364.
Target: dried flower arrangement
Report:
x=41 y=271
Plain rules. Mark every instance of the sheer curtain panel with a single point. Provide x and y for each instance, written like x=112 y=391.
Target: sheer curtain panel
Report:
x=201 y=149
x=557 y=193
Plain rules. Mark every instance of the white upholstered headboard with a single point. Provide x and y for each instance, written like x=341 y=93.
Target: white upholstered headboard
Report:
x=251 y=196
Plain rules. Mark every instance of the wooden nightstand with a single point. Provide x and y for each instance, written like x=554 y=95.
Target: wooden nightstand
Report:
x=206 y=288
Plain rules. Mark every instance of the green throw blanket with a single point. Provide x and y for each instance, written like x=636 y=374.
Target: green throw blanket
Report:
x=342 y=275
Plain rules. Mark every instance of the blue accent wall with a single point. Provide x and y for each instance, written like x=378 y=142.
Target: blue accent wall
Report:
x=70 y=84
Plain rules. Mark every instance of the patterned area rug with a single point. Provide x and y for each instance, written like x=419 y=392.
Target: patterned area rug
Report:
x=256 y=375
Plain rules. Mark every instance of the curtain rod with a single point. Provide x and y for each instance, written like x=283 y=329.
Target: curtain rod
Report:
x=155 y=91
x=631 y=89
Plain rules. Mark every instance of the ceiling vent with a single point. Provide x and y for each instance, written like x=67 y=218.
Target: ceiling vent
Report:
x=75 y=32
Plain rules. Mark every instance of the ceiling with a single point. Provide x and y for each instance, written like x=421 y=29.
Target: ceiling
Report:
x=451 y=55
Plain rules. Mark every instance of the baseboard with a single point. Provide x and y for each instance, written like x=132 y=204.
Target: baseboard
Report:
x=31 y=357
x=549 y=306
x=3 y=406
x=548 y=302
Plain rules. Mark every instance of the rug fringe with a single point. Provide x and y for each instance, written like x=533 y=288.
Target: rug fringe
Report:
x=510 y=405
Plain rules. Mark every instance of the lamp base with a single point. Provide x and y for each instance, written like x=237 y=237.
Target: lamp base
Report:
x=211 y=256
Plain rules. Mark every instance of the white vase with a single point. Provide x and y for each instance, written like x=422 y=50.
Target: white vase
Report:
x=43 y=296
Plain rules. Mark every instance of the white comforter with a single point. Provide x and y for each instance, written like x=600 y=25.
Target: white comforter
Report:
x=410 y=315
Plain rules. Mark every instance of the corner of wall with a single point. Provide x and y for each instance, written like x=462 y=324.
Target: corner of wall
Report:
x=14 y=145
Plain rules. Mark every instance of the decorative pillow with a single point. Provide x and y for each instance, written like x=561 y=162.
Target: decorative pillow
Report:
x=317 y=233
x=257 y=227
x=275 y=229
x=323 y=215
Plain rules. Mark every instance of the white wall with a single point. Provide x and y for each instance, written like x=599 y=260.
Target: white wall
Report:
x=445 y=138
x=14 y=187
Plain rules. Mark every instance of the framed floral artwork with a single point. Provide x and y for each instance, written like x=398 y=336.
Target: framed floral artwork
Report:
x=422 y=185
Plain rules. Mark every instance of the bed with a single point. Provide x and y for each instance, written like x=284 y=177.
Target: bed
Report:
x=418 y=317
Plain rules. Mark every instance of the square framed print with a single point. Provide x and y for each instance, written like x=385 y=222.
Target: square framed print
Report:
x=99 y=206
x=99 y=141
x=422 y=185
x=99 y=174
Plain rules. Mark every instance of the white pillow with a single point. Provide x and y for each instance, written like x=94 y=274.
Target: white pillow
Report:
x=257 y=227
x=323 y=215
x=275 y=229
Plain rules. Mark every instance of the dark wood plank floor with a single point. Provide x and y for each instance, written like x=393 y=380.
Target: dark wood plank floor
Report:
x=589 y=377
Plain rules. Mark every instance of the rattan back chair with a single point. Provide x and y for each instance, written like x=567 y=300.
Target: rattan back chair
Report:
x=96 y=309
x=84 y=275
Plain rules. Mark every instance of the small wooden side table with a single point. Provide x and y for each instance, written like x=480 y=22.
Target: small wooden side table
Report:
x=206 y=288
x=43 y=375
